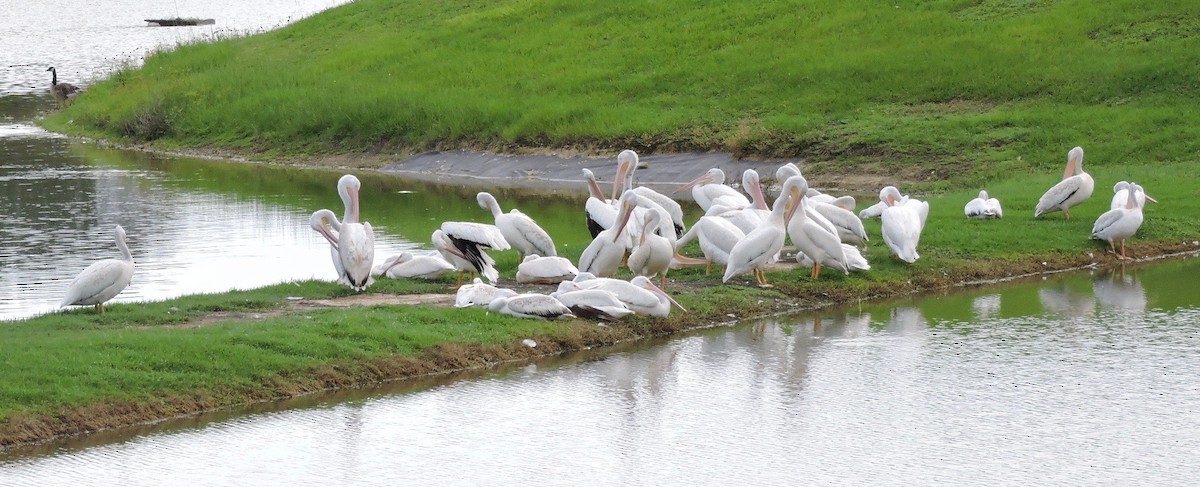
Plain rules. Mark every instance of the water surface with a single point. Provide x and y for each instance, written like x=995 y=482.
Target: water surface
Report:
x=1082 y=380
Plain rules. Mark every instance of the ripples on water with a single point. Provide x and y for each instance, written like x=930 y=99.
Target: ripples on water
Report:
x=961 y=390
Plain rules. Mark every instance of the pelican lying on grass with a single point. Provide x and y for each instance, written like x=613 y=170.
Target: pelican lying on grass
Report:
x=405 y=265
x=545 y=270
x=538 y=306
x=479 y=293
x=983 y=207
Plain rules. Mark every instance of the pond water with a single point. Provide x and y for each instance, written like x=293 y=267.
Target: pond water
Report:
x=193 y=226
x=1088 y=379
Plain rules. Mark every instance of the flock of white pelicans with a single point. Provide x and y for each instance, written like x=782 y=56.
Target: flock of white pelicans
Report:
x=643 y=230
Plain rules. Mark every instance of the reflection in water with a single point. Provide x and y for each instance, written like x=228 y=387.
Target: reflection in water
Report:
x=879 y=395
x=986 y=306
x=1062 y=301
x=1118 y=290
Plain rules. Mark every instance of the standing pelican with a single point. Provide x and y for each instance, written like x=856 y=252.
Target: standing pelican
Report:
x=329 y=226
x=63 y=92
x=653 y=254
x=102 y=280
x=710 y=187
x=463 y=244
x=356 y=247
x=539 y=306
x=603 y=256
x=1121 y=194
x=813 y=240
x=1075 y=188
x=521 y=232
x=902 y=223
x=601 y=213
x=983 y=207
x=627 y=163
x=752 y=253
x=1121 y=223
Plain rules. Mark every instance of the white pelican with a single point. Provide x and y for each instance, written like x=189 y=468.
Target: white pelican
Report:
x=1075 y=188
x=405 y=265
x=463 y=244
x=591 y=304
x=521 y=232
x=627 y=163
x=711 y=186
x=785 y=172
x=855 y=262
x=102 y=280
x=639 y=294
x=849 y=227
x=814 y=241
x=1121 y=223
x=1121 y=193
x=603 y=256
x=752 y=253
x=347 y=188
x=747 y=218
x=538 y=306
x=479 y=293
x=545 y=270
x=902 y=223
x=354 y=244
x=983 y=207
x=653 y=253
x=873 y=211
x=601 y=213
x=717 y=237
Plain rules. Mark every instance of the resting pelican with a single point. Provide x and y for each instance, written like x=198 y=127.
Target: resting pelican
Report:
x=479 y=293
x=603 y=256
x=814 y=241
x=102 y=280
x=627 y=163
x=902 y=223
x=1121 y=193
x=752 y=253
x=1121 y=223
x=521 y=232
x=849 y=227
x=1075 y=188
x=538 y=306
x=717 y=237
x=711 y=186
x=405 y=265
x=983 y=207
x=591 y=304
x=653 y=254
x=545 y=270
x=463 y=244
x=639 y=294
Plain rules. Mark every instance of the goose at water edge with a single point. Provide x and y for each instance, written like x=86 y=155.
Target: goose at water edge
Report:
x=64 y=93
x=102 y=280
x=1075 y=188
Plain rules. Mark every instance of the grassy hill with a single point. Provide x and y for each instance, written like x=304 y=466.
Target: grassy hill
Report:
x=960 y=91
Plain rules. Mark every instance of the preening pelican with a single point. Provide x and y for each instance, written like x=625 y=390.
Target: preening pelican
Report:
x=652 y=255
x=873 y=211
x=983 y=207
x=405 y=265
x=1121 y=194
x=627 y=163
x=601 y=213
x=591 y=304
x=1121 y=223
x=464 y=244
x=639 y=294
x=1075 y=188
x=329 y=226
x=545 y=270
x=711 y=186
x=902 y=223
x=849 y=227
x=521 y=232
x=479 y=293
x=717 y=237
x=538 y=306
x=102 y=280
x=822 y=247
x=786 y=172
x=356 y=247
x=603 y=256
x=752 y=253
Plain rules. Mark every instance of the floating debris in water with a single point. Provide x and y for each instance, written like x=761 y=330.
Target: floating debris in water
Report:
x=529 y=343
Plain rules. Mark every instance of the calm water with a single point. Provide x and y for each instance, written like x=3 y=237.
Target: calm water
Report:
x=1083 y=380
x=194 y=226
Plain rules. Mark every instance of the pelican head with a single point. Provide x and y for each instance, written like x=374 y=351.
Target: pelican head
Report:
x=1074 y=162
x=795 y=188
x=627 y=162
x=714 y=175
x=628 y=202
x=889 y=195
x=325 y=223
x=348 y=187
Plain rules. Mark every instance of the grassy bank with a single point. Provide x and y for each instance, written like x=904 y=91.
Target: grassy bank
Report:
x=953 y=95
x=962 y=90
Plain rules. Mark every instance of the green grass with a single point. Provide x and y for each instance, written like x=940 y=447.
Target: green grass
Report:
x=971 y=90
